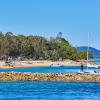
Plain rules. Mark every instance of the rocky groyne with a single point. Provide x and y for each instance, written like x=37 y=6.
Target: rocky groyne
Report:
x=13 y=76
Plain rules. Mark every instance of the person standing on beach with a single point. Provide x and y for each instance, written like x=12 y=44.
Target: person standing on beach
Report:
x=81 y=67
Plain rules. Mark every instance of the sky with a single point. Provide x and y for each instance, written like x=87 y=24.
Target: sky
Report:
x=74 y=18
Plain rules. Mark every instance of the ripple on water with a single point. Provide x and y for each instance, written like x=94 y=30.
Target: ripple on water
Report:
x=49 y=91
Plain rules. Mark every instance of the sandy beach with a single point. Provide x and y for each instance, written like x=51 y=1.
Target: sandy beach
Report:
x=39 y=63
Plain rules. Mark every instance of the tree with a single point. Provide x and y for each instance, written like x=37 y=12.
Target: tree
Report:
x=38 y=47
x=83 y=55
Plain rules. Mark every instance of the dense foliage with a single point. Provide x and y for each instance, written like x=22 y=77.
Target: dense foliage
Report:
x=37 y=47
x=83 y=55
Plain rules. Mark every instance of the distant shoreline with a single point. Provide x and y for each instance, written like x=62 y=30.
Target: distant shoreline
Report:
x=43 y=63
x=39 y=63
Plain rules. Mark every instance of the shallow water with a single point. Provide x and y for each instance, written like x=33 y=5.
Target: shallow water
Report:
x=49 y=91
x=65 y=69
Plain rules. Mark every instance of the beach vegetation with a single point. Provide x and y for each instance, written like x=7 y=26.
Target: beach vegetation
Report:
x=38 y=47
x=83 y=55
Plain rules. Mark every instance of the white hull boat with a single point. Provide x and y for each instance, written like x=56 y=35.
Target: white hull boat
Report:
x=56 y=65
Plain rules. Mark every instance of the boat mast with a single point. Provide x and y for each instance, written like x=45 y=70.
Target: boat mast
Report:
x=88 y=52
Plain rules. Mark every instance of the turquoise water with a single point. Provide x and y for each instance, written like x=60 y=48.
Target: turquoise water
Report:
x=66 y=69
x=49 y=91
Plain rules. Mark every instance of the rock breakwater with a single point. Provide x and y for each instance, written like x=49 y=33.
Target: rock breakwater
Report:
x=13 y=76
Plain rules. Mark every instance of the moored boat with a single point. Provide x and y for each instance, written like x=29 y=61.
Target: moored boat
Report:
x=56 y=65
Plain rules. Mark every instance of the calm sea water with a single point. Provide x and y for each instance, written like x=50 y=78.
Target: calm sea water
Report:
x=66 y=69
x=49 y=91
x=96 y=60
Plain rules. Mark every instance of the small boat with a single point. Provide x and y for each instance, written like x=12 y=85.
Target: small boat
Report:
x=92 y=65
x=56 y=65
x=89 y=65
x=79 y=72
x=88 y=72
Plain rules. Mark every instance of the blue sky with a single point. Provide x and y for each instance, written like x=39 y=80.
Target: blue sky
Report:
x=74 y=18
